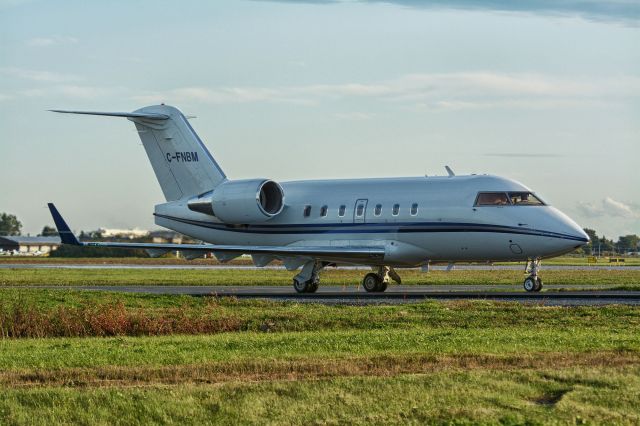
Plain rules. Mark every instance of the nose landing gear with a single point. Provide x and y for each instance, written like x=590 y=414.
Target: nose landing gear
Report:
x=533 y=282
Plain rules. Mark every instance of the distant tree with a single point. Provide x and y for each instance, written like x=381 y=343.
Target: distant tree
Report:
x=606 y=245
x=627 y=243
x=9 y=224
x=589 y=248
x=48 y=231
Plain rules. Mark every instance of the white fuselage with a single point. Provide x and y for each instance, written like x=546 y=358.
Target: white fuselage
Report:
x=445 y=226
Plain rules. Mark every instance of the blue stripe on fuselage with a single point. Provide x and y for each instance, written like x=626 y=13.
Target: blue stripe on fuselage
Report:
x=371 y=228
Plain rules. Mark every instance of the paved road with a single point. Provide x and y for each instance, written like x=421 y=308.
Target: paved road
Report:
x=251 y=267
x=395 y=294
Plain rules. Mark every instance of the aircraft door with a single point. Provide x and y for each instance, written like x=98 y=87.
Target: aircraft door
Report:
x=360 y=211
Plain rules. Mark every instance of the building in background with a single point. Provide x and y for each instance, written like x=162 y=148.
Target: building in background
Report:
x=29 y=245
x=120 y=233
x=161 y=237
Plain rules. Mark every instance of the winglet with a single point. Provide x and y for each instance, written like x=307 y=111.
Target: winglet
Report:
x=66 y=235
x=449 y=171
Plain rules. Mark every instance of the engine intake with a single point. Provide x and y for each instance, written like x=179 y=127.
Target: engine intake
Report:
x=241 y=201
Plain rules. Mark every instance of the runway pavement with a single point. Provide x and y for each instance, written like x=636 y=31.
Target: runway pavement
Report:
x=395 y=294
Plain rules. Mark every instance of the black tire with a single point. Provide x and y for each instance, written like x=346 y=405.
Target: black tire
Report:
x=371 y=282
x=538 y=284
x=382 y=287
x=301 y=286
x=530 y=284
x=305 y=286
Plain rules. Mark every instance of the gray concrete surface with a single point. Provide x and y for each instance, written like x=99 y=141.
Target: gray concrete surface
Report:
x=395 y=294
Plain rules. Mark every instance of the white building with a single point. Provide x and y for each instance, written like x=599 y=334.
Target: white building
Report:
x=29 y=245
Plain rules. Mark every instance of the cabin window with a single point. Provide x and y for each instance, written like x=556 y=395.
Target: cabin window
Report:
x=360 y=210
x=396 y=209
x=377 y=210
x=341 y=210
x=307 y=210
x=323 y=211
x=414 y=209
x=525 y=199
x=492 y=199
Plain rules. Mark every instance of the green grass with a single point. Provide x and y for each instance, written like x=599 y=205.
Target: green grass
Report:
x=337 y=277
x=469 y=362
x=270 y=330
x=256 y=315
x=573 y=396
x=180 y=350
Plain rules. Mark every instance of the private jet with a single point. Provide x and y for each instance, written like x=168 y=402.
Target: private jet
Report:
x=308 y=225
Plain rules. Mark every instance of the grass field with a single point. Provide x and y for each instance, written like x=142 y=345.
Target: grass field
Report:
x=287 y=363
x=97 y=358
x=620 y=279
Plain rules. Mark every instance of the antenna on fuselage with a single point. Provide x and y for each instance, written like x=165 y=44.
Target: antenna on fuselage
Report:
x=449 y=171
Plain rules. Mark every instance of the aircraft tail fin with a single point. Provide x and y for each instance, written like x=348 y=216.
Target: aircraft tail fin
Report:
x=66 y=235
x=183 y=165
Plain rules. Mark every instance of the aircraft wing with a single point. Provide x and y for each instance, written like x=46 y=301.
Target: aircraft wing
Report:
x=349 y=254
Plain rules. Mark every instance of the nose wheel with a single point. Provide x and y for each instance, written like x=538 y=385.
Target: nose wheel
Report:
x=533 y=283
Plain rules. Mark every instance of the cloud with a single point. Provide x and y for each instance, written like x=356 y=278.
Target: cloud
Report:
x=37 y=75
x=435 y=91
x=626 y=12
x=50 y=41
x=608 y=207
x=71 y=91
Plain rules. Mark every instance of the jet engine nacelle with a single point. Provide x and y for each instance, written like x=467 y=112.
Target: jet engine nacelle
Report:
x=241 y=201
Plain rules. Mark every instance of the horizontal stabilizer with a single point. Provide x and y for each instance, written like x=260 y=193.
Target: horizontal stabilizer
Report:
x=148 y=115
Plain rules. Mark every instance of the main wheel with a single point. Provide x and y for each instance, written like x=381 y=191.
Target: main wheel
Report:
x=308 y=286
x=371 y=282
x=313 y=287
x=530 y=284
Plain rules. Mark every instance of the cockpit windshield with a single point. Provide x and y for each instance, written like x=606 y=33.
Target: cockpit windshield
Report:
x=525 y=199
x=507 y=199
x=492 y=199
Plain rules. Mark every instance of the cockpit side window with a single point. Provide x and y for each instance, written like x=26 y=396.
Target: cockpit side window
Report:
x=492 y=199
x=525 y=199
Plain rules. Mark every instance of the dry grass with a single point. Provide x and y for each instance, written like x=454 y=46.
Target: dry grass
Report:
x=110 y=319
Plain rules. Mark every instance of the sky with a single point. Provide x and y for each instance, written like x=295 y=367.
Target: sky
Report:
x=544 y=92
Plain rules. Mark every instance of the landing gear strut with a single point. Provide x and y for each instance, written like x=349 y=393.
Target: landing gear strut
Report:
x=308 y=280
x=533 y=282
x=376 y=282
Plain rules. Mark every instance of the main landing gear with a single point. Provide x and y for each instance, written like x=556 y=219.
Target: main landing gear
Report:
x=376 y=282
x=308 y=280
x=533 y=282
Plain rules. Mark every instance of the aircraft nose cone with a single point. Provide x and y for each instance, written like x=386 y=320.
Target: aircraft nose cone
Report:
x=585 y=235
x=573 y=229
x=579 y=232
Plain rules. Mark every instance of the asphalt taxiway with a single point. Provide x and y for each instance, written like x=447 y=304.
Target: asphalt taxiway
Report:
x=591 y=295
